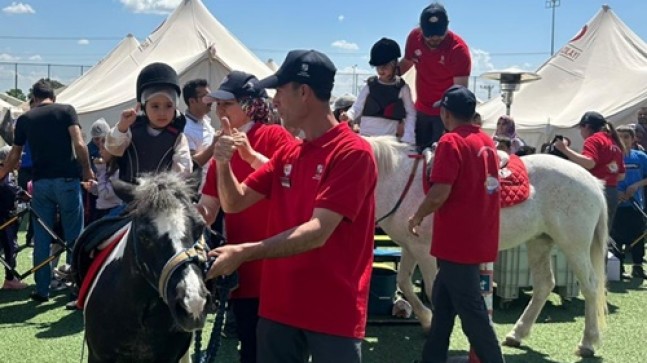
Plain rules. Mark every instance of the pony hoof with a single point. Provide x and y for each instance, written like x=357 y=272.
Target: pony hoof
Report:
x=585 y=352
x=511 y=342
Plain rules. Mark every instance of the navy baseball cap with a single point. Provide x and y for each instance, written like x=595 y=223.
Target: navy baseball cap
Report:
x=236 y=85
x=309 y=67
x=459 y=100
x=592 y=118
x=433 y=20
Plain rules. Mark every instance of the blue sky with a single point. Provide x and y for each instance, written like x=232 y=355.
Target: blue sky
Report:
x=500 y=33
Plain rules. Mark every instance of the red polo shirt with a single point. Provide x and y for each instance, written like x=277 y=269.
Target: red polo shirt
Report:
x=249 y=225
x=323 y=290
x=466 y=226
x=436 y=68
x=608 y=157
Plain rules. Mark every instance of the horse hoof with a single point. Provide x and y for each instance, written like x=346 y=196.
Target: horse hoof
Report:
x=511 y=342
x=585 y=352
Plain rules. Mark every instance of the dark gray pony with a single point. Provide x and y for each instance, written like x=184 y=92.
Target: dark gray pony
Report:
x=150 y=296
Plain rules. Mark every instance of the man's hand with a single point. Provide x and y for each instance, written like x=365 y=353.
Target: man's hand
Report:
x=128 y=118
x=414 y=223
x=631 y=190
x=229 y=258
x=88 y=175
x=87 y=185
x=225 y=146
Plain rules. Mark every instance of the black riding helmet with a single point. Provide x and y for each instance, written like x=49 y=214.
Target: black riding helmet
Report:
x=384 y=51
x=157 y=74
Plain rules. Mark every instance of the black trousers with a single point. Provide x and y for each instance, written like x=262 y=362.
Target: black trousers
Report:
x=428 y=129
x=246 y=314
x=628 y=225
x=457 y=291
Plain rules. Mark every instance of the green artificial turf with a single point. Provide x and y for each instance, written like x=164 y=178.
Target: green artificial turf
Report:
x=31 y=332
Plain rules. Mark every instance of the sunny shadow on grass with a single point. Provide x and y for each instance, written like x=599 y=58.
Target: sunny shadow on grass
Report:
x=48 y=333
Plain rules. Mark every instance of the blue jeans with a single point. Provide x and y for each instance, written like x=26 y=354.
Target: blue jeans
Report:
x=52 y=195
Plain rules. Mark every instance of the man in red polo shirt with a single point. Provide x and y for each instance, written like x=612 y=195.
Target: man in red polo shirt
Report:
x=465 y=188
x=247 y=111
x=317 y=266
x=442 y=59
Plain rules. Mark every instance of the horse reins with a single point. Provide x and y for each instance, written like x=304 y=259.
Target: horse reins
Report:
x=407 y=186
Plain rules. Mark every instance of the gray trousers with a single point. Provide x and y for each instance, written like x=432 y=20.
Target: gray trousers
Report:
x=611 y=194
x=280 y=343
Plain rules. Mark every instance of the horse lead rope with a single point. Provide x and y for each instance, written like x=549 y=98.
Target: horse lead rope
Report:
x=224 y=285
x=406 y=189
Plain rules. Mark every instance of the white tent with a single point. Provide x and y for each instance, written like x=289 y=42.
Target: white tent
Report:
x=13 y=101
x=603 y=68
x=191 y=40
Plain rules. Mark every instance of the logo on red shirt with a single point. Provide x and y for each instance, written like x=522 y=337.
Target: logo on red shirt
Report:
x=318 y=172
x=285 y=179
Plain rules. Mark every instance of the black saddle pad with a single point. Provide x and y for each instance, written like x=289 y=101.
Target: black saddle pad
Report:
x=91 y=237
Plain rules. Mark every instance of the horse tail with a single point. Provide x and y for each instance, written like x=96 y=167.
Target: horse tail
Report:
x=598 y=259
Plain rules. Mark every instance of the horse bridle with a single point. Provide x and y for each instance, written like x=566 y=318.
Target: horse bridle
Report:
x=196 y=254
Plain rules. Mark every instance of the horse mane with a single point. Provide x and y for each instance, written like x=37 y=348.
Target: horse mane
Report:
x=161 y=192
x=386 y=150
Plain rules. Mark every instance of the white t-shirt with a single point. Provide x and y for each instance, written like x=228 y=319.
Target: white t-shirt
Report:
x=199 y=133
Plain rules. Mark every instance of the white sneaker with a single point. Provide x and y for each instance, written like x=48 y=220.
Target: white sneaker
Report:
x=57 y=285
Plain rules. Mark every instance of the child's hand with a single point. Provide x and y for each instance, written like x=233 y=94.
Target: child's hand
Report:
x=128 y=118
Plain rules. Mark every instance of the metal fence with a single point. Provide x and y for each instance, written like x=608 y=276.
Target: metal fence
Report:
x=22 y=75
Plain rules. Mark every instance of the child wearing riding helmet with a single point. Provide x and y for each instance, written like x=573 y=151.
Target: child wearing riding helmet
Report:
x=385 y=103
x=602 y=155
x=153 y=141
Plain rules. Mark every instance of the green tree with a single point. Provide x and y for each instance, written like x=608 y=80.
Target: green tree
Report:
x=17 y=93
x=55 y=84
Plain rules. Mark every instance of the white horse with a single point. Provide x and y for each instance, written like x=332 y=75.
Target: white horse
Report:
x=566 y=207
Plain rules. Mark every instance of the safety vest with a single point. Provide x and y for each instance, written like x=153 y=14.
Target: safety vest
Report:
x=384 y=100
x=147 y=153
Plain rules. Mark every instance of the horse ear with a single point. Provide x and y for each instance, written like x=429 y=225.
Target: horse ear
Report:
x=124 y=190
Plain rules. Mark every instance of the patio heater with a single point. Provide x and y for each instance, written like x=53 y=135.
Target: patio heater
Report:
x=510 y=81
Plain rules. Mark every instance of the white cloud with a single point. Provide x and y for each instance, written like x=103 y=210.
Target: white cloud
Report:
x=83 y=42
x=6 y=57
x=18 y=8
x=151 y=6
x=340 y=18
x=36 y=57
x=342 y=44
x=481 y=62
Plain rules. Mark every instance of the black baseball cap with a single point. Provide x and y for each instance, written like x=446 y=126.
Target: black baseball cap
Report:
x=592 y=118
x=433 y=20
x=459 y=100
x=236 y=85
x=309 y=67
